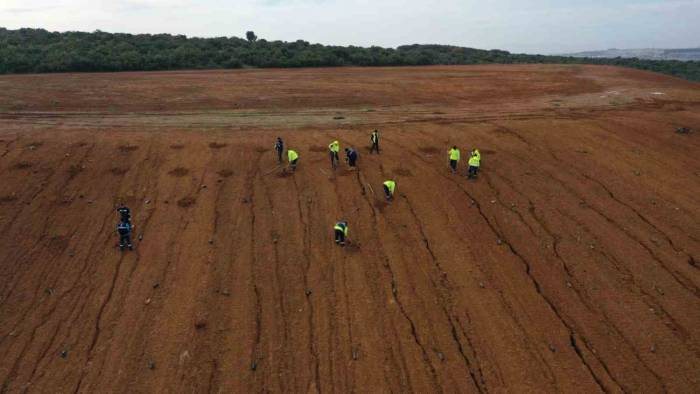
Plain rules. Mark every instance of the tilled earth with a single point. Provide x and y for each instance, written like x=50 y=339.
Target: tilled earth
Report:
x=571 y=265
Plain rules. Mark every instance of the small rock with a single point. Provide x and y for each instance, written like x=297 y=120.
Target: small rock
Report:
x=140 y=237
x=151 y=364
x=204 y=186
x=49 y=291
x=253 y=365
x=481 y=284
x=156 y=285
x=200 y=324
x=355 y=354
x=148 y=201
x=147 y=301
x=653 y=349
x=552 y=348
x=226 y=293
x=441 y=356
x=64 y=353
x=211 y=241
x=499 y=242
x=307 y=292
x=493 y=201
x=569 y=285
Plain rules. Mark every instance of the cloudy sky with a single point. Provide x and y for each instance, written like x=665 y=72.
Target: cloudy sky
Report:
x=533 y=26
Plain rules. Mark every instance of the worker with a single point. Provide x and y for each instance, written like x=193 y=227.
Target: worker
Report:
x=333 y=150
x=124 y=229
x=474 y=164
x=454 y=158
x=389 y=188
x=374 y=138
x=351 y=157
x=124 y=213
x=341 y=232
x=293 y=158
x=279 y=147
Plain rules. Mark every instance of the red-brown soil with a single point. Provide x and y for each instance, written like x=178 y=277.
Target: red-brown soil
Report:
x=571 y=265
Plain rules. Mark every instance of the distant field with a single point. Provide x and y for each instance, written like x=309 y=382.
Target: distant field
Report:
x=570 y=265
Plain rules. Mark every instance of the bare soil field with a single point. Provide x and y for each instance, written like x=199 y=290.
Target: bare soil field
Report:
x=571 y=265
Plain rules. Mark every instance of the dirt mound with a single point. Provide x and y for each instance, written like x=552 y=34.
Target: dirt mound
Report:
x=216 y=145
x=179 y=172
x=186 y=202
x=22 y=165
x=570 y=265
x=225 y=173
x=127 y=148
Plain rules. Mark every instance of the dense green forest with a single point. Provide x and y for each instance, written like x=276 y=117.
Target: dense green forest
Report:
x=40 y=51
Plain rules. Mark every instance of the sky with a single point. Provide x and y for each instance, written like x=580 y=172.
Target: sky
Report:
x=533 y=26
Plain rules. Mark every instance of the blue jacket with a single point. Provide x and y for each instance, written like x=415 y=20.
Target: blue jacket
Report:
x=124 y=228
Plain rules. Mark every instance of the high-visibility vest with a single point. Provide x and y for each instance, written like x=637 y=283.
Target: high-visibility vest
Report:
x=454 y=154
x=342 y=226
x=334 y=146
x=292 y=155
x=474 y=161
x=391 y=185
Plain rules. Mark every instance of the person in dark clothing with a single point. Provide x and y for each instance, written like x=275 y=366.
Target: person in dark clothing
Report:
x=351 y=157
x=124 y=213
x=279 y=147
x=124 y=230
x=374 y=138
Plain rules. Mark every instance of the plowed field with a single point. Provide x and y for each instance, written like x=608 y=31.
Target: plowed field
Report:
x=571 y=265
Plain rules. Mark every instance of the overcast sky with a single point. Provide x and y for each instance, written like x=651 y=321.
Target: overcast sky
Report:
x=532 y=26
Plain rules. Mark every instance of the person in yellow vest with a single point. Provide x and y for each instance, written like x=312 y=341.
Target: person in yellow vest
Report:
x=474 y=164
x=293 y=157
x=389 y=188
x=341 y=232
x=333 y=149
x=454 y=158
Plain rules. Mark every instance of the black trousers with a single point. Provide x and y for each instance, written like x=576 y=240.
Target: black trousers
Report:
x=279 y=155
x=293 y=164
x=124 y=240
x=375 y=145
x=334 y=157
x=387 y=192
x=339 y=237
x=473 y=171
x=453 y=164
x=351 y=161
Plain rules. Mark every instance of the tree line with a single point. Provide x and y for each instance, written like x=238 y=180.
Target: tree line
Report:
x=41 y=51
